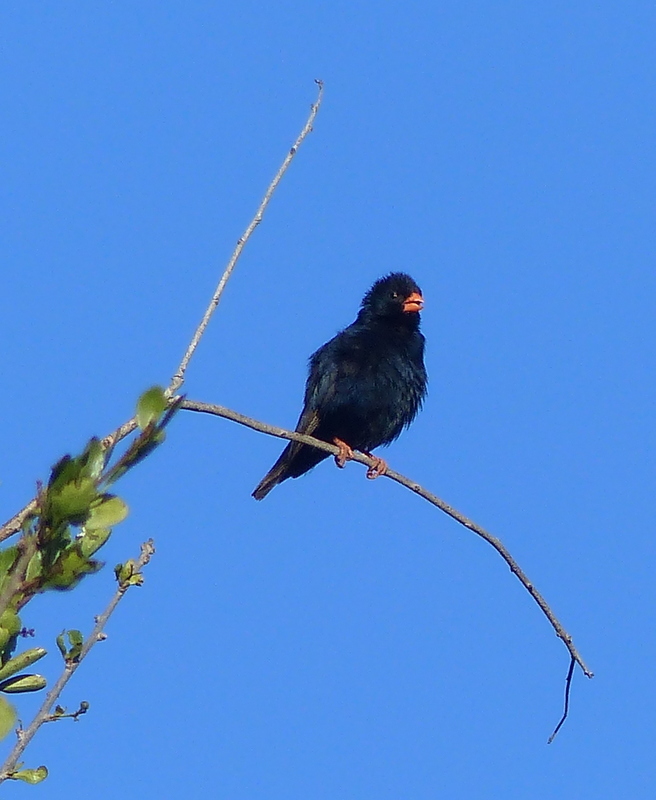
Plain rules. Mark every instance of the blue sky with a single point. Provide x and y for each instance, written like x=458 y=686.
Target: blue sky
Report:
x=343 y=639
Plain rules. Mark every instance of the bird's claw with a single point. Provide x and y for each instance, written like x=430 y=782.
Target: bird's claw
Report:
x=344 y=455
x=377 y=469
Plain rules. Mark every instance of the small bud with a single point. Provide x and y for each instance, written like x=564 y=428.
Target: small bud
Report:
x=125 y=572
x=32 y=776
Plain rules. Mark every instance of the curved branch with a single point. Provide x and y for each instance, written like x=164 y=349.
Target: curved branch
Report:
x=497 y=544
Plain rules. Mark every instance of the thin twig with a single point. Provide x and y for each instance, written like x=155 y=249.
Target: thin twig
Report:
x=15 y=524
x=120 y=433
x=178 y=378
x=44 y=713
x=568 y=686
x=497 y=544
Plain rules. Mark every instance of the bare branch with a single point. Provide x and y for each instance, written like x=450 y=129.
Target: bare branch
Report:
x=44 y=714
x=497 y=544
x=15 y=524
x=120 y=433
x=178 y=378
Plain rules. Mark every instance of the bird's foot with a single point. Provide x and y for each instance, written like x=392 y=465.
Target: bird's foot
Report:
x=378 y=468
x=344 y=455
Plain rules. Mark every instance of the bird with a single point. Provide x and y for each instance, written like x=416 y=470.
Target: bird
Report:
x=364 y=386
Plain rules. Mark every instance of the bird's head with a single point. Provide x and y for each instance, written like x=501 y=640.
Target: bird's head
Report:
x=395 y=297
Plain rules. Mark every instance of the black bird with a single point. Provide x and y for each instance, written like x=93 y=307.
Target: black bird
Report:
x=364 y=386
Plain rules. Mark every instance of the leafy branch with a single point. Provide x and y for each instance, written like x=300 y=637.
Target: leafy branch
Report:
x=127 y=575
x=71 y=518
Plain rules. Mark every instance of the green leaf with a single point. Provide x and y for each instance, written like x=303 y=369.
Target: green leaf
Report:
x=109 y=512
x=125 y=571
x=67 y=469
x=10 y=626
x=61 y=644
x=19 y=684
x=93 y=540
x=10 y=621
x=8 y=558
x=35 y=567
x=72 y=500
x=32 y=776
x=150 y=407
x=22 y=661
x=54 y=544
x=75 y=637
x=92 y=459
x=69 y=569
x=76 y=640
x=7 y=717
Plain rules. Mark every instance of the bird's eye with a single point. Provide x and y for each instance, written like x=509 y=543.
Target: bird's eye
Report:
x=395 y=295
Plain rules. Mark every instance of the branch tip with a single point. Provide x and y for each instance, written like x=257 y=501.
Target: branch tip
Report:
x=497 y=544
x=178 y=378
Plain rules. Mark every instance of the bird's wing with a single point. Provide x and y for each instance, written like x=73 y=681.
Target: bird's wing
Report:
x=308 y=421
x=325 y=386
x=331 y=370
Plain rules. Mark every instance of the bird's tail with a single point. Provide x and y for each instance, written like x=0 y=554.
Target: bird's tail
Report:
x=295 y=460
x=277 y=474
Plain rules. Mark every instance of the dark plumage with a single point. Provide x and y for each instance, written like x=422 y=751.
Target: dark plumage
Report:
x=365 y=385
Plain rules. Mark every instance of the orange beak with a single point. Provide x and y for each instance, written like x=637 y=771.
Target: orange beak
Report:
x=413 y=303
